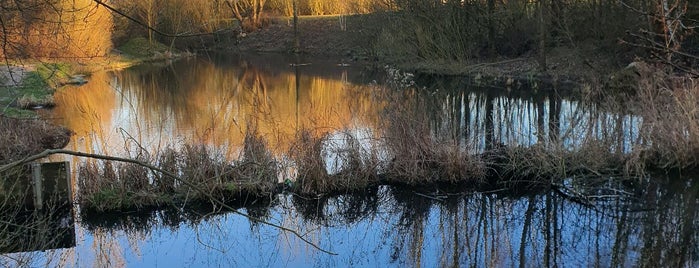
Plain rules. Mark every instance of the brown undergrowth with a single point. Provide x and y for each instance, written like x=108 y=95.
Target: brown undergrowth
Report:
x=23 y=137
x=420 y=156
x=669 y=105
x=107 y=186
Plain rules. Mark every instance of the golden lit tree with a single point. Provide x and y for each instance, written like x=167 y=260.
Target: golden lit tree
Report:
x=147 y=11
x=247 y=12
x=54 y=29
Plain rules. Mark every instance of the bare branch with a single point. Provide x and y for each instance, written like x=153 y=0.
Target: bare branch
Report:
x=120 y=13
x=46 y=153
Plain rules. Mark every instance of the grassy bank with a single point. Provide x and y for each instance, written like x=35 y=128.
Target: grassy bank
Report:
x=30 y=84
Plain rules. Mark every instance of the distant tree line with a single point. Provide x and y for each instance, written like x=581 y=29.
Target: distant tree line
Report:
x=459 y=29
x=328 y=7
x=421 y=29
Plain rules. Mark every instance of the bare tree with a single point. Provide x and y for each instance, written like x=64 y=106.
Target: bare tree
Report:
x=148 y=11
x=247 y=12
x=53 y=28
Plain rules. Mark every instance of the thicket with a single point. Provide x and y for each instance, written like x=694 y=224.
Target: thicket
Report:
x=325 y=7
x=460 y=30
x=177 y=19
x=40 y=29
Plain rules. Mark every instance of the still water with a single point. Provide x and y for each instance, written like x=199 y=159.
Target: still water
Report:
x=213 y=100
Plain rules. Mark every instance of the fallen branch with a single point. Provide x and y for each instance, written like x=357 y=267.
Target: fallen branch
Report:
x=46 y=153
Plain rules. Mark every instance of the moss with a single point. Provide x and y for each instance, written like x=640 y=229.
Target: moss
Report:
x=107 y=199
x=35 y=89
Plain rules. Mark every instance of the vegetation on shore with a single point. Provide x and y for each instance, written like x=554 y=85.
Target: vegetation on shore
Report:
x=411 y=152
x=514 y=38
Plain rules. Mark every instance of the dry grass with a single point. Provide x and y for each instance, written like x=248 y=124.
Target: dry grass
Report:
x=307 y=152
x=409 y=151
x=668 y=134
x=421 y=156
x=670 y=109
x=105 y=185
x=549 y=163
x=20 y=138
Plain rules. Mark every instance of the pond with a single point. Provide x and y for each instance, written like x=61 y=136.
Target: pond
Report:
x=601 y=221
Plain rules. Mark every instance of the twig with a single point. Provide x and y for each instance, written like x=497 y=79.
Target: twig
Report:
x=484 y=64
x=437 y=198
x=574 y=197
x=46 y=153
x=120 y=13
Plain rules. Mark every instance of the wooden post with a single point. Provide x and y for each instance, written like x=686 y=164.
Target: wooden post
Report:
x=51 y=183
x=37 y=184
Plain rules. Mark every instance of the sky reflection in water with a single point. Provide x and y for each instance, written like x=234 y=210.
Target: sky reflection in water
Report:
x=212 y=101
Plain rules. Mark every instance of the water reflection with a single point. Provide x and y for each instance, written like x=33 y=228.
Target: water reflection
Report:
x=214 y=101
x=484 y=118
x=201 y=101
x=406 y=227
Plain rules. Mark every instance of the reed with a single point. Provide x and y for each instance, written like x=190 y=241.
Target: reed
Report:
x=420 y=156
x=669 y=105
x=104 y=185
x=22 y=137
x=307 y=153
x=411 y=150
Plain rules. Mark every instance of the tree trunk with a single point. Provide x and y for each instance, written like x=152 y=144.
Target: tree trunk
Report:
x=542 y=37
x=236 y=12
x=491 y=28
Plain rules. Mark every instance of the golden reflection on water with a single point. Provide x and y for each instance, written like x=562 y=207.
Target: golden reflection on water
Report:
x=197 y=101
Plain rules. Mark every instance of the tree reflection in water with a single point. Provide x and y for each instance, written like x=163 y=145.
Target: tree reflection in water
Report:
x=648 y=221
x=652 y=224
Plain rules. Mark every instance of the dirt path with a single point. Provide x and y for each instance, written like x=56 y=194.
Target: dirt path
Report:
x=12 y=76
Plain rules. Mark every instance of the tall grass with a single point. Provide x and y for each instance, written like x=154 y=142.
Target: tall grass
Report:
x=307 y=152
x=104 y=185
x=354 y=167
x=420 y=156
x=669 y=105
x=20 y=138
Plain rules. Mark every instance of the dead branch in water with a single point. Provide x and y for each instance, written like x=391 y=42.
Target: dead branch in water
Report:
x=46 y=153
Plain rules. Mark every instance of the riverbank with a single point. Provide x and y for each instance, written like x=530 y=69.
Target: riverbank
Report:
x=355 y=39
x=30 y=85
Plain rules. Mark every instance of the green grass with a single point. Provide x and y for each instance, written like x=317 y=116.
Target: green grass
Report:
x=140 y=48
x=35 y=89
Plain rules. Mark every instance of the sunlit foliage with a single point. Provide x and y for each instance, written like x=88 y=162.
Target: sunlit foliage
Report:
x=328 y=7
x=75 y=29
